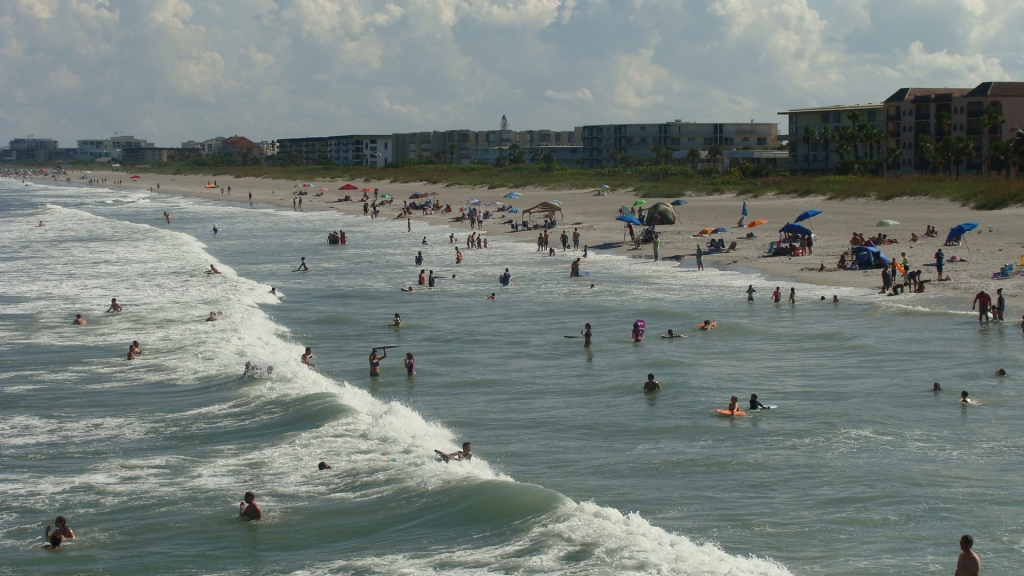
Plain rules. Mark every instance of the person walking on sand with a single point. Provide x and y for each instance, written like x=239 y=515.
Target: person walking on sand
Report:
x=700 y=257
x=750 y=292
x=565 y=241
x=302 y=266
x=792 y=296
x=968 y=563
x=408 y=225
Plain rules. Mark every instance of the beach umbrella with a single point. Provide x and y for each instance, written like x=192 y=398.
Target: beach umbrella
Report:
x=136 y=176
x=559 y=202
x=512 y=194
x=477 y=203
x=720 y=230
x=639 y=203
x=679 y=202
x=705 y=231
x=367 y=190
x=514 y=210
x=386 y=196
x=756 y=223
x=960 y=230
x=744 y=208
x=323 y=189
x=307 y=185
x=887 y=223
x=606 y=187
x=805 y=215
x=795 y=229
x=472 y=201
x=630 y=220
x=415 y=196
x=348 y=187
x=495 y=204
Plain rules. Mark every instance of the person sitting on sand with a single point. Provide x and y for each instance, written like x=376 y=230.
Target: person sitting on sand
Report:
x=913 y=237
x=62 y=531
x=651 y=385
x=78 y=321
x=856 y=240
x=114 y=306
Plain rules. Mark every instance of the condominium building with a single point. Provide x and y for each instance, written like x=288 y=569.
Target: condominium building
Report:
x=445 y=145
x=571 y=156
x=351 y=150
x=36 y=149
x=603 y=143
x=818 y=152
x=109 y=148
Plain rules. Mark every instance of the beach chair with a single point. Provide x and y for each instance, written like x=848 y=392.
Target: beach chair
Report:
x=732 y=247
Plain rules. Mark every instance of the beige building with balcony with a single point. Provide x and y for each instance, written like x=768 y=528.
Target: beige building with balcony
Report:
x=819 y=155
x=601 y=142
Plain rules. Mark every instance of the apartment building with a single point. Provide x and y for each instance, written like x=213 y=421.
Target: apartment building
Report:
x=602 y=143
x=446 y=145
x=351 y=150
x=109 y=148
x=36 y=149
x=571 y=156
x=819 y=155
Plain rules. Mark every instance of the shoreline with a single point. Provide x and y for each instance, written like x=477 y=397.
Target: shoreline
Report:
x=996 y=242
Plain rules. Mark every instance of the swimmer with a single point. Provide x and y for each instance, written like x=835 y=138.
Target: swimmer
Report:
x=592 y=286
x=114 y=306
x=651 y=385
x=41 y=225
x=410 y=364
x=302 y=266
x=964 y=399
x=491 y=297
x=398 y=320
x=574 y=269
x=134 y=348
x=755 y=404
x=835 y=299
x=375 y=361
x=968 y=563
x=213 y=270
x=419 y=258
x=78 y=321
x=323 y=466
x=672 y=334
x=409 y=289
x=307 y=357
x=215 y=229
x=273 y=291
x=431 y=281
x=708 y=325
x=62 y=531
x=249 y=509
x=936 y=387
x=733 y=405
x=465 y=454
x=212 y=317
x=1000 y=372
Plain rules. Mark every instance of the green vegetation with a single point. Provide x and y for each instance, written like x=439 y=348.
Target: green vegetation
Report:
x=648 y=181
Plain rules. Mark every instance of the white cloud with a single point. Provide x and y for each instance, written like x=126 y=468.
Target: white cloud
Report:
x=921 y=67
x=581 y=94
x=202 y=76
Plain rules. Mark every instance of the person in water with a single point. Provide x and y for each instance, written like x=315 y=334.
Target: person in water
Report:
x=574 y=269
x=307 y=357
x=78 y=321
x=62 y=531
x=422 y=280
x=964 y=399
x=1001 y=372
x=755 y=404
x=431 y=281
x=506 y=278
x=302 y=266
x=968 y=563
x=375 y=361
x=323 y=466
x=134 y=350
x=419 y=258
x=708 y=325
x=458 y=256
x=409 y=289
x=651 y=385
x=672 y=334
x=750 y=293
x=587 y=333
x=249 y=509
x=273 y=291
x=492 y=296
x=410 y=364
x=638 y=332
x=215 y=229
x=213 y=270
x=114 y=306
x=733 y=405
x=212 y=317
x=936 y=387
x=465 y=454
x=398 y=320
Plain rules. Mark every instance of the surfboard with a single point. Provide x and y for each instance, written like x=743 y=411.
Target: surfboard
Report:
x=584 y=273
x=769 y=407
x=441 y=455
x=385 y=347
x=674 y=336
x=572 y=336
x=724 y=412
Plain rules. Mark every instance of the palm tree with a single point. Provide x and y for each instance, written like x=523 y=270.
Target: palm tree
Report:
x=962 y=149
x=847 y=140
x=1018 y=148
x=1001 y=151
x=990 y=119
x=809 y=136
x=857 y=124
x=516 y=155
x=693 y=156
x=451 y=152
x=662 y=155
x=842 y=147
x=714 y=153
x=892 y=157
x=536 y=157
x=825 y=136
x=925 y=150
x=944 y=154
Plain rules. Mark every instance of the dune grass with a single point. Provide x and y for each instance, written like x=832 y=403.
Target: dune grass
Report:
x=990 y=193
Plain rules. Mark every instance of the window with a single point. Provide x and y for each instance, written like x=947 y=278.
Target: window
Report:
x=373 y=141
x=709 y=141
x=691 y=139
x=824 y=117
x=871 y=115
x=745 y=139
x=762 y=141
x=837 y=117
x=730 y=141
x=373 y=148
x=385 y=146
x=814 y=158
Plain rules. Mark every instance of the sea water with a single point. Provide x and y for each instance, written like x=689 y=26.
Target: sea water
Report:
x=861 y=470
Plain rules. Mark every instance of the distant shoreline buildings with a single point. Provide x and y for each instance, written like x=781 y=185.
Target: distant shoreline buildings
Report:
x=904 y=133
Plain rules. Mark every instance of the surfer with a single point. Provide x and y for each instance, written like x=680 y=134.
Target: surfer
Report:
x=409 y=289
x=968 y=563
x=465 y=454
x=397 y=322
x=1001 y=372
x=651 y=385
x=249 y=509
x=61 y=532
x=755 y=404
x=114 y=306
x=964 y=399
x=213 y=270
x=302 y=266
x=672 y=334
x=587 y=334
x=307 y=357
x=375 y=361
x=733 y=405
x=273 y=291
x=410 y=364
x=78 y=321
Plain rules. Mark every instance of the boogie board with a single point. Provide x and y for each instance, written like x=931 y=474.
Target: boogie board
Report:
x=385 y=347
x=675 y=336
x=768 y=407
x=572 y=336
x=441 y=455
x=725 y=412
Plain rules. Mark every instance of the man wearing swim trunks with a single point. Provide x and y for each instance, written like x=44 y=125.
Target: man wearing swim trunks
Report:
x=114 y=306
x=983 y=301
x=940 y=258
x=1000 y=305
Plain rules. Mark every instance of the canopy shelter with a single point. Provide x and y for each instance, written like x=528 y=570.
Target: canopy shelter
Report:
x=665 y=212
x=870 y=257
x=543 y=207
x=349 y=187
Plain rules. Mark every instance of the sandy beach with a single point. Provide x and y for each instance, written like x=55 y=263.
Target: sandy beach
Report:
x=997 y=241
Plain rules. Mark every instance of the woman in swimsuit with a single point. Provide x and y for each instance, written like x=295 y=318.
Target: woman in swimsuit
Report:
x=410 y=364
x=375 y=361
x=56 y=537
x=398 y=320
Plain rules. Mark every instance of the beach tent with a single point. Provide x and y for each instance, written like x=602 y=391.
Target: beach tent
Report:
x=543 y=207
x=135 y=176
x=349 y=187
x=665 y=211
x=795 y=229
x=679 y=202
x=870 y=257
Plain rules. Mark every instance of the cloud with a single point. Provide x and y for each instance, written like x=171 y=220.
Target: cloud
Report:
x=201 y=77
x=581 y=94
x=918 y=66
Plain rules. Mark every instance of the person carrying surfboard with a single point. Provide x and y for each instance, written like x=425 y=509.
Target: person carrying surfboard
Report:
x=375 y=361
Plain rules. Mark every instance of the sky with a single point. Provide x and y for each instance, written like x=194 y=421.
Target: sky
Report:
x=176 y=70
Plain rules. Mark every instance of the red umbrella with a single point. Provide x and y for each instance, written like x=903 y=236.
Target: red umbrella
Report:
x=348 y=187
x=136 y=176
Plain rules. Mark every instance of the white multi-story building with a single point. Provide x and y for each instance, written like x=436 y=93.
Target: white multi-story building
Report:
x=352 y=150
x=109 y=148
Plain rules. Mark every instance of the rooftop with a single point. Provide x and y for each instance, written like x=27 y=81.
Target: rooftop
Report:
x=837 y=108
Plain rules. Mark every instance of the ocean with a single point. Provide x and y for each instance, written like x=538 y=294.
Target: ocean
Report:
x=862 y=470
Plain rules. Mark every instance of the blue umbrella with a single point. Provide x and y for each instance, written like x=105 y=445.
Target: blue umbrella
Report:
x=512 y=194
x=863 y=251
x=630 y=219
x=605 y=186
x=720 y=230
x=679 y=202
x=559 y=202
x=960 y=230
x=514 y=210
x=806 y=215
x=745 y=209
x=795 y=229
